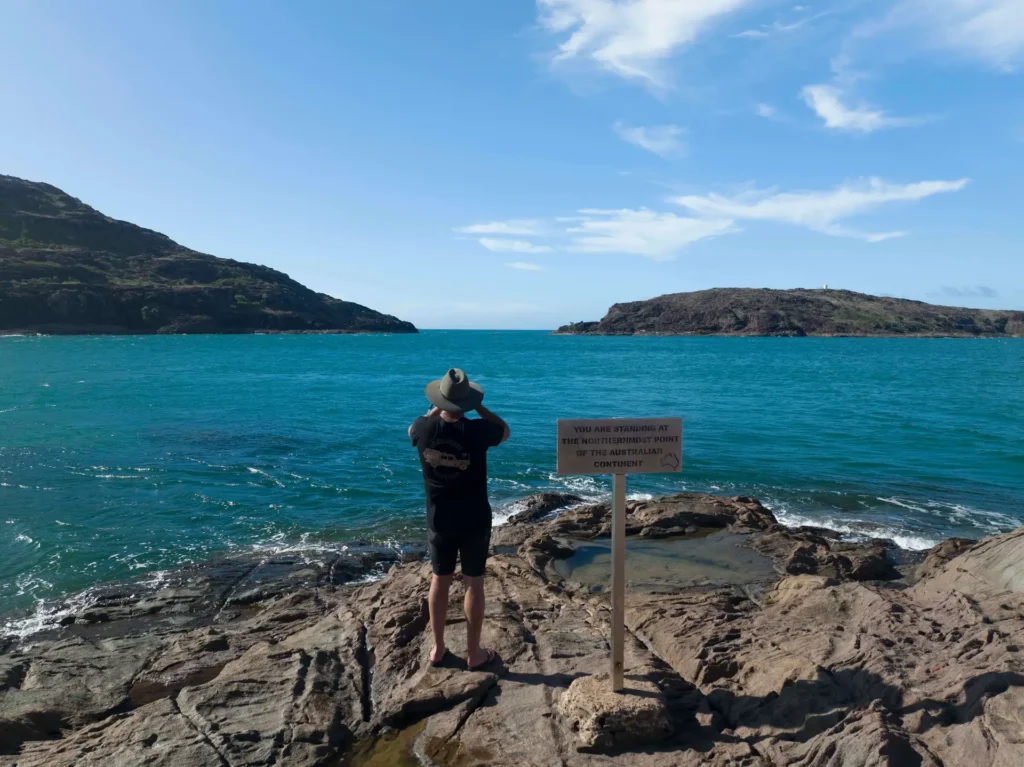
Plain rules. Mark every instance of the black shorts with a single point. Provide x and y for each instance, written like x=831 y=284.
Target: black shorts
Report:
x=470 y=547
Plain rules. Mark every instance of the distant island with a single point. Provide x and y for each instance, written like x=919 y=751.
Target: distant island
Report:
x=65 y=268
x=800 y=312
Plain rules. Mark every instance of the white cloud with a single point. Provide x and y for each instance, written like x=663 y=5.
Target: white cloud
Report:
x=989 y=30
x=514 y=226
x=630 y=38
x=663 y=235
x=776 y=27
x=655 y=235
x=512 y=246
x=664 y=140
x=981 y=291
x=826 y=100
x=820 y=211
x=766 y=110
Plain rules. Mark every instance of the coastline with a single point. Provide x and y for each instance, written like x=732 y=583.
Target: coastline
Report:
x=201 y=667
x=100 y=331
x=643 y=333
x=53 y=613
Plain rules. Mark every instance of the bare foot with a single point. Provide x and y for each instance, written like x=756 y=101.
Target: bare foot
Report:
x=437 y=654
x=481 y=657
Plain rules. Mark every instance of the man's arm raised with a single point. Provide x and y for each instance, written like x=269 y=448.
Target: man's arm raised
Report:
x=430 y=412
x=494 y=418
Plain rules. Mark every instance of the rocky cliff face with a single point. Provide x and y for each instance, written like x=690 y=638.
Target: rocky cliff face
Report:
x=764 y=312
x=67 y=268
x=826 y=663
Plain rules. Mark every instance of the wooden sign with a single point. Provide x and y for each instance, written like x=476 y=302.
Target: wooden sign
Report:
x=620 y=446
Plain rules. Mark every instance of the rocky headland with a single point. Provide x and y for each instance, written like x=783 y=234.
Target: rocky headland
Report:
x=835 y=653
x=767 y=312
x=65 y=268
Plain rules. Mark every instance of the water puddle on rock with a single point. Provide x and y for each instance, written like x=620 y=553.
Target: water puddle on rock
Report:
x=392 y=750
x=714 y=559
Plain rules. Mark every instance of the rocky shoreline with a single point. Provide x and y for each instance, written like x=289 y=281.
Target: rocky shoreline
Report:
x=796 y=313
x=846 y=654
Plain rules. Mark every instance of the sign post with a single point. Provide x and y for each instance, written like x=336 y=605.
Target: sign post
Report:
x=619 y=446
x=618 y=579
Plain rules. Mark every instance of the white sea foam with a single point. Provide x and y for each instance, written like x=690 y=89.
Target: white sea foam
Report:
x=586 y=487
x=986 y=522
x=47 y=615
x=990 y=522
x=856 y=530
x=155 y=579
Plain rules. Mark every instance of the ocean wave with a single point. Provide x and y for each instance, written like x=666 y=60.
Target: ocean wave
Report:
x=856 y=530
x=254 y=470
x=47 y=615
x=986 y=522
x=586 y=487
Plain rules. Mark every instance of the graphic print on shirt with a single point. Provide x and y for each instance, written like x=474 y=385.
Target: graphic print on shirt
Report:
x=447 y=457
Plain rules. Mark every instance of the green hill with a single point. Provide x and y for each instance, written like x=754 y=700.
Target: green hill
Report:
x=765 y=312
x=66 y=268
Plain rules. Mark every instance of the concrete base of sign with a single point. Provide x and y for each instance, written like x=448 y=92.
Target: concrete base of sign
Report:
x=609 y=721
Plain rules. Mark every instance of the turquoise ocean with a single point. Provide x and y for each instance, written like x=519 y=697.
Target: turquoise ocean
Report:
x=121 y=456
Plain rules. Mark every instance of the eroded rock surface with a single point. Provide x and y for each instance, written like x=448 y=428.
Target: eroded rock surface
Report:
x=831 y=667
x=612 y=721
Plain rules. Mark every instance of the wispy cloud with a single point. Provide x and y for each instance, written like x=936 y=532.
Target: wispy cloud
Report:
x=991 y=31
x=766 y=110
x=630 y=38
x=663 y=140
x=658 y=236
x=820 y=211
x=778 y=27
x=664 y=235
x=514 y=226
x=981 y=291
x=827 y=102
x=512 y=246
x=525 y=266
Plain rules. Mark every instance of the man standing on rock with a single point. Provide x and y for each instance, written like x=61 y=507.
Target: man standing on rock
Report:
x=453 y=454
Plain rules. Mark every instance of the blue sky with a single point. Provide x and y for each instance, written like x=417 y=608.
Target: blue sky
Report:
x=521 y=164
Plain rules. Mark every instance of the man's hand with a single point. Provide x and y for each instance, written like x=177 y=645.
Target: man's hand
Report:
x=488 y=415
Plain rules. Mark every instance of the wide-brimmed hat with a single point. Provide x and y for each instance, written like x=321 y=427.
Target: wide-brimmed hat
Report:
x=455 y=392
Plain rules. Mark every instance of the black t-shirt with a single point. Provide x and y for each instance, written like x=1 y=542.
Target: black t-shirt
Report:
x=454 y=461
